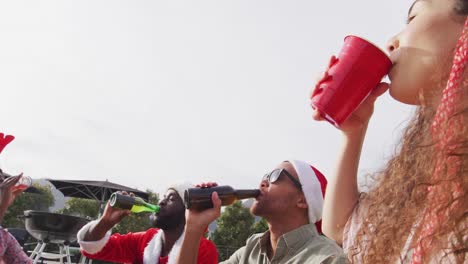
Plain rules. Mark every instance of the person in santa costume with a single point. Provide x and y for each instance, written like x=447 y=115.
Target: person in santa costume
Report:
x=158 y=245
x=290 y=200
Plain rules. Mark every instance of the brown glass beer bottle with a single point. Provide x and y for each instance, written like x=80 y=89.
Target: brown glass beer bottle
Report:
x=200 y=198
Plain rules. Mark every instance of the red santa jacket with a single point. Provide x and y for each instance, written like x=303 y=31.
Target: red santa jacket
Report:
x=142 y=247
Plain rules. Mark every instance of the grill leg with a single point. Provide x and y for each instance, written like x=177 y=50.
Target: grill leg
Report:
x=38 y=256
x=61 y=253
x=36 y=249
x=67 y=251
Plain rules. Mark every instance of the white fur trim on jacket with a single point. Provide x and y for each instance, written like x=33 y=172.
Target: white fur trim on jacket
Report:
x=153 y=249
x=311 y=188
x=91 y=247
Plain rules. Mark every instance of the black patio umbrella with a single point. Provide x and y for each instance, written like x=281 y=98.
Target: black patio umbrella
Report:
x=95 y=190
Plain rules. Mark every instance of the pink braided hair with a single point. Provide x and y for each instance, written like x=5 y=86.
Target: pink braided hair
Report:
x=443 y=129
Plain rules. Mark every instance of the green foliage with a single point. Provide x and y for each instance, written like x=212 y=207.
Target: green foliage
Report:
x=260 y=226
x=28 y=201
x=234 y=227
x=81 y=207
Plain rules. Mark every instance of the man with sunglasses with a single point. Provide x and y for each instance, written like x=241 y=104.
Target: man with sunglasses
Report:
x=290 y=200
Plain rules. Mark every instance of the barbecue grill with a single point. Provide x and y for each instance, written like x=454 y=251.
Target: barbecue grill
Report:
x=52 y=228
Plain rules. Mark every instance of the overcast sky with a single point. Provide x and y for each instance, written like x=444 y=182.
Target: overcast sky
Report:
x=148 y=93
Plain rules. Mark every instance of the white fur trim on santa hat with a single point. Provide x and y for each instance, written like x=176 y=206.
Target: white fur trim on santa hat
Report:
x=153 y=249
x=311 y=188
x=180 y=188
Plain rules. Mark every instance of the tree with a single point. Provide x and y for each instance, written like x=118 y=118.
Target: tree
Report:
x=28 y=201
x=260 y=226
x=81 y=207
x=234 y=227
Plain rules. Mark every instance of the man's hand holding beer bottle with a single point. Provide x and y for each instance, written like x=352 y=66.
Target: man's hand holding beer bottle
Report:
x=198 y=220
x=110 y=217
x=203 y=207
x=196 y=223
x=204 y=202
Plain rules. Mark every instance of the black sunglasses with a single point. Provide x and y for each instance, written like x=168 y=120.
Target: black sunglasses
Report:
x=274 y=175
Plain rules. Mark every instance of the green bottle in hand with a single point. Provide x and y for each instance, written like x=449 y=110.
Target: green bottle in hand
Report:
x=134 y=204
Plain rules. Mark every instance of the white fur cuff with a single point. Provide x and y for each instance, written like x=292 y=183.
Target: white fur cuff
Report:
x=92 y=247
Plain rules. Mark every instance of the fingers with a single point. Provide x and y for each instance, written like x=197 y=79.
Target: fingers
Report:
x=126 y=193
x=379 y=90
x=318 y=78
x=206 y=185
x=11 y=181
x=125 y=213
x=216 y=201
x=316 y=115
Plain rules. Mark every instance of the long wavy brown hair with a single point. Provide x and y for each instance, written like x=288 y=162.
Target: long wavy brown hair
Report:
x=397 y=201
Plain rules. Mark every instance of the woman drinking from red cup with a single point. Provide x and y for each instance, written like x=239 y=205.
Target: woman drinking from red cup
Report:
x=416 y=212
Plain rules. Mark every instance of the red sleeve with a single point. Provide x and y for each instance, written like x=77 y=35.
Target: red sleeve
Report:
x=123 y=248
x=207 y=253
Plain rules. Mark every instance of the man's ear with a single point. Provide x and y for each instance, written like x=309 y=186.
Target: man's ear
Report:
x=302 y=202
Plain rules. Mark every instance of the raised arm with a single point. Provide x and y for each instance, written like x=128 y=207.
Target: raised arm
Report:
x=110 y=217
x=342 y=191
x=196 y=222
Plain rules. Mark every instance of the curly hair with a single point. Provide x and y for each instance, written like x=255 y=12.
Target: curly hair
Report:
x=400 y=194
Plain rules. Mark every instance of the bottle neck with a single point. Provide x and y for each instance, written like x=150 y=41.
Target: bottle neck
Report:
x=145 y=207
x=153 y=207
x=247 y=193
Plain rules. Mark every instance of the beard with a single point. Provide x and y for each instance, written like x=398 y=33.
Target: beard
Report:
x=169 y=222
x=267 y=208
x=259 y=209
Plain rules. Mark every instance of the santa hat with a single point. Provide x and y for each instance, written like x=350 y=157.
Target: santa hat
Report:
x=180 y=188
x=313 y=185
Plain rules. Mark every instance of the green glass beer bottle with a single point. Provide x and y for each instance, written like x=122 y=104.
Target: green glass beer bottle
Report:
x=134 y=204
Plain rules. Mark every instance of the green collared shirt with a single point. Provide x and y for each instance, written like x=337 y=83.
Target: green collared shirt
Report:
x=300 y=246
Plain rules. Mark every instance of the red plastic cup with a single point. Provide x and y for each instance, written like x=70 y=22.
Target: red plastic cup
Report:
x=349 y=79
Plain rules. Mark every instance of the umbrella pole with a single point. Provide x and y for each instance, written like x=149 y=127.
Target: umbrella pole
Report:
x=102 y=204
